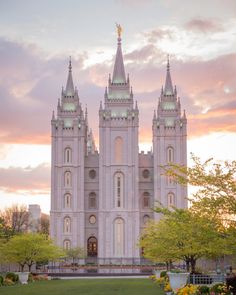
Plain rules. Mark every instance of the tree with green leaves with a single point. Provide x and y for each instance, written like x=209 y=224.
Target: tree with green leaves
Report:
x=74 y=253
x=216 y=188
x=183 y=235
x=29 y=248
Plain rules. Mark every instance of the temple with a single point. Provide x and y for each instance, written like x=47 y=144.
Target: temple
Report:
x=101 y=201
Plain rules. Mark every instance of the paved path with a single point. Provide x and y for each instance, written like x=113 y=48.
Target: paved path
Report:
x=103 y=277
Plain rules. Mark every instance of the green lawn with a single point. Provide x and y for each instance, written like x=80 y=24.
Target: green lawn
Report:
x=86 y=286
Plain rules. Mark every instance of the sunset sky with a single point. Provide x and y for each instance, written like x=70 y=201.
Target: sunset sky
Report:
x=37 y=38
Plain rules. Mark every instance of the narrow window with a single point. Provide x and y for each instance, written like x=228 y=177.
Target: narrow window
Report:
x=170 y=200
x=67 y=225
x=68 y=155
x=67 y=244
x=68 y=179
x=92 y=201
x=119 y=237
x=67 y=201
x=170 y=155
x=119 y=189
x=146 y=200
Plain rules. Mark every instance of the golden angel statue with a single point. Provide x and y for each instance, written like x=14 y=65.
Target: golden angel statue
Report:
x=119 y=29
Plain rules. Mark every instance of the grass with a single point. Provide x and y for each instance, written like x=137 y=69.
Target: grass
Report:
x=85 y=287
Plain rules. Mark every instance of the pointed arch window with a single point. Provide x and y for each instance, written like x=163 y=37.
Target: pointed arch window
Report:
x=68 y=155
x=67 y=244
x=67 y=201
x=92 y=201
x=118 y=150
x=170 y=154
x=67 y=225
x=170 y=200
x=67 y=179
x=119 y=237
x=119 y=190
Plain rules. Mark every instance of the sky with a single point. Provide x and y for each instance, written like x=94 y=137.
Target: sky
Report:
x=37 y=38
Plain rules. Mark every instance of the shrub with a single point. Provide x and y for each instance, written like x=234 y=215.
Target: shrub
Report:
x=1 y=280
x=30 y=278
x=188 y=290
x=12 y=276
x=163 y=274
x=40 y=278
x=221 y=289
x=204 y=290
x=8 y=282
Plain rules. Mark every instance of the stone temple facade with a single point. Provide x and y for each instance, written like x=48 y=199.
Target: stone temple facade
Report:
x=102 y=200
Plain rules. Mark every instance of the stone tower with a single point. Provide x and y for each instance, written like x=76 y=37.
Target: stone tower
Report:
x=69 y=130
x=118 y=167
x=169 y=129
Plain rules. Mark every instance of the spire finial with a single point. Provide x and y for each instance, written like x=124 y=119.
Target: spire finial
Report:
x=119 y=30
x=70 y=66
x=168 y=89
x=70 y=91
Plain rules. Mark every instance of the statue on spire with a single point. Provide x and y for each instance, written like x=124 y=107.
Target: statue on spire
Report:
x=119 y=30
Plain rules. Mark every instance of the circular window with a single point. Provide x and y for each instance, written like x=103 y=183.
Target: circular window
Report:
x=146 y=173
x=92 y=174
x=92 y=219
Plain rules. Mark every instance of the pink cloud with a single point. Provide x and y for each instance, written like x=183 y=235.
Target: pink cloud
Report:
x=204 y=25
x=31 y=84
x=28 y=180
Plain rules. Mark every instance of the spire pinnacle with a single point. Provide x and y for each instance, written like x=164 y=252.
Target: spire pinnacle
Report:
x=69 y=85
x=119 y=70
x=168 y=90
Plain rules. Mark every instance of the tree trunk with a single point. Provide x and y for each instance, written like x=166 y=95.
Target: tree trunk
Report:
x=22 y=267
x=187 y=261
x=193 y=264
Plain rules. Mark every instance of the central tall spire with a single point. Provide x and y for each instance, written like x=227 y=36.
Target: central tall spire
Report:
x=119 y=69
x=168 y=90
x=70 y=91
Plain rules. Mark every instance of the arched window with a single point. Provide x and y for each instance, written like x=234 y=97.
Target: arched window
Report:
x=67 y=201
x=92 y=201
x=170 y=200
x=146 y=219
x=146 y=200
x=170 y=154
x=67 y=180
x=118 y=150
x=68 y=155
x=67 y=225
x=119 y=237
x=67 y=244
x=119 y=190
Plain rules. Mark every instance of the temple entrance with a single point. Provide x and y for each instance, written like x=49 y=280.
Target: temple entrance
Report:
x=92 y=247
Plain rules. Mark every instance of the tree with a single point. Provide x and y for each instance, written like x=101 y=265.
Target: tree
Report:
x=16 y=219
x=183 y=235
x=216 y=183
x=44 y=224
x=74 y=253
x=29 y=248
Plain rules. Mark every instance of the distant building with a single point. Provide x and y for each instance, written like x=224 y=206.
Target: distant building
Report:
x=102 y=200
x=34 y=218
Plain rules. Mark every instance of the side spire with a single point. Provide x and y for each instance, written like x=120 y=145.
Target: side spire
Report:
x=168 y=90
x=119 y=69
x=70 y=91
